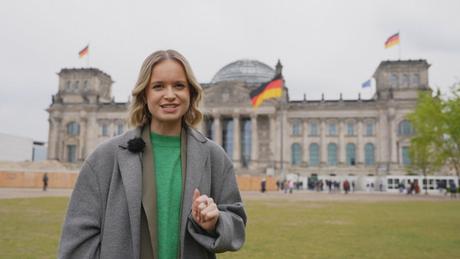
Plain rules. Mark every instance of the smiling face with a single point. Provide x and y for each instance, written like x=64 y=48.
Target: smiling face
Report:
x=168 y=97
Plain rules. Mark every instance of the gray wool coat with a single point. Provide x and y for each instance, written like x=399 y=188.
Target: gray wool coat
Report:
x=106 y=217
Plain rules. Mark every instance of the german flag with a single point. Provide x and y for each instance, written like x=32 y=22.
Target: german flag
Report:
x=84 y=51
x=392 y=41
x=272 y=89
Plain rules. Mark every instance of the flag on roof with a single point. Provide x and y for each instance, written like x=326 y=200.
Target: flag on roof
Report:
x=392 y=41
x=84 y=51
x=272 y=89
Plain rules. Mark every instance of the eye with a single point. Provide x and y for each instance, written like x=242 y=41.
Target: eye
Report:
x=180 y=86
x=157 y=86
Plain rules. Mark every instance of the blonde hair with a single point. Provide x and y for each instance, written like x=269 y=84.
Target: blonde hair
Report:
x=138 y=111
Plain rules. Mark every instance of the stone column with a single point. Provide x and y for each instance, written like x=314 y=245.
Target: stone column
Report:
x=60 y=147
x=236 y=141
x=342 y=144
x=322 y=143
x=255 y=142
x=217 y=129
x=82 y=138
x=393 y=137
x=360 y=146
x=383 y=138
x=273 y=137
x=53 y=137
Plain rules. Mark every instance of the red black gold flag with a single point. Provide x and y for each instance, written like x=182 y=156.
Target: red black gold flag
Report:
x=272 y=89
x=392 y=40
x=84 y=51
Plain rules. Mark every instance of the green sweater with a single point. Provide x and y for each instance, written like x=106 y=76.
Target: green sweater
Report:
x=168 y=174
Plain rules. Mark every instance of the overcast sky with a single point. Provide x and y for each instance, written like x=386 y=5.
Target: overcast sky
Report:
x=325 y=46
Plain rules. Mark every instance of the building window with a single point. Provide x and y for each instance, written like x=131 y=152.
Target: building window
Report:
x=296 y=127
x=332 y=154
x=209 y=127
x=85 y=85
x=369 y=128
x=104 y=130
x=405 y=128
x=350 y=128
x=296 y=154
x=314 y=154
x=405 y=156
x=313 y=129
x=405 y=80
x=73 y=128
x=76 y=86
x=415 y=80
x=120 y=129
x=71 y=153
x=332 y=129
x=67 y=85
x=246 y=142
x=369 y=154
x=227 y=137
x=393 y=80
x=351 y=154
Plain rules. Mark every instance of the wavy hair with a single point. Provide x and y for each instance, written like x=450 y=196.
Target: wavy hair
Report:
x=138 y=111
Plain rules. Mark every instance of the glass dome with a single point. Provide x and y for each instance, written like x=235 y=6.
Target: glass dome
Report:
x=249 y=71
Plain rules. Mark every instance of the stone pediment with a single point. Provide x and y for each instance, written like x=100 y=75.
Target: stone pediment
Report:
x=234 y=94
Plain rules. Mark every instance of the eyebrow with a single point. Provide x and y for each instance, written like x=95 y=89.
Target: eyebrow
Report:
x=160 y=81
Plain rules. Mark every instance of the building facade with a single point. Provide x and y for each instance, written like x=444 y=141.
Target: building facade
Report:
x=281 y=137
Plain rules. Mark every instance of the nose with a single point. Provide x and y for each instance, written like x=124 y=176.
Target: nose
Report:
x=169 y=94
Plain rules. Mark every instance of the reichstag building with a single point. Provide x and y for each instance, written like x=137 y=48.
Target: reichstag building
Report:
x=296 y=137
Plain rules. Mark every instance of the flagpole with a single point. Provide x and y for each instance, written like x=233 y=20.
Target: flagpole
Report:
x=87 y=59
x=400 y=45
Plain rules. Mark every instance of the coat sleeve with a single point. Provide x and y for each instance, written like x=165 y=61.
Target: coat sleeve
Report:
x=82 y=226
x=230 y=229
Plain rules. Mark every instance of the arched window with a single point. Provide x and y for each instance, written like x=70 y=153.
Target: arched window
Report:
x=351 y=154
x=313 y=150
x=405 y=156
x=296 y=127
x=332 y=154
x=393 y=80
x=369 y=154
x=73 y=128
x=405 y=128
x=296 y=154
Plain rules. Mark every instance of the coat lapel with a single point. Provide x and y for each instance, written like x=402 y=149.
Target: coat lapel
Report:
x=195 y=166
x=149 y=199
x=131 y=174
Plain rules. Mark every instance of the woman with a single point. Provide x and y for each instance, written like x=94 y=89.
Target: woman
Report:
x=161 y=190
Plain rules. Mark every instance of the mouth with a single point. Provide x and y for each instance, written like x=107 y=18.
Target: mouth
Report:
x=169 y=107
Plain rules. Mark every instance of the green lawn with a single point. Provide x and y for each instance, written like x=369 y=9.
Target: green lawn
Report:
x=278 y=228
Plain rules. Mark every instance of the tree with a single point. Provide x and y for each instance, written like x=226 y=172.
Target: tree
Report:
x=451 y=145
x=428 y=121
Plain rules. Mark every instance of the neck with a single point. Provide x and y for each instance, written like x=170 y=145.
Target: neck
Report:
x=167 y=129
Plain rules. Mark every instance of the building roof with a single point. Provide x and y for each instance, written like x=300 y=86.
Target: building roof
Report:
x=246 y=70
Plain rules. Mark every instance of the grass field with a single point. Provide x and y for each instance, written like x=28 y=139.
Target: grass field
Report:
x=278 y=228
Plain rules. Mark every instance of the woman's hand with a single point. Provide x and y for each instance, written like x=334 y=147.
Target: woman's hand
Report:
x=204 y=211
